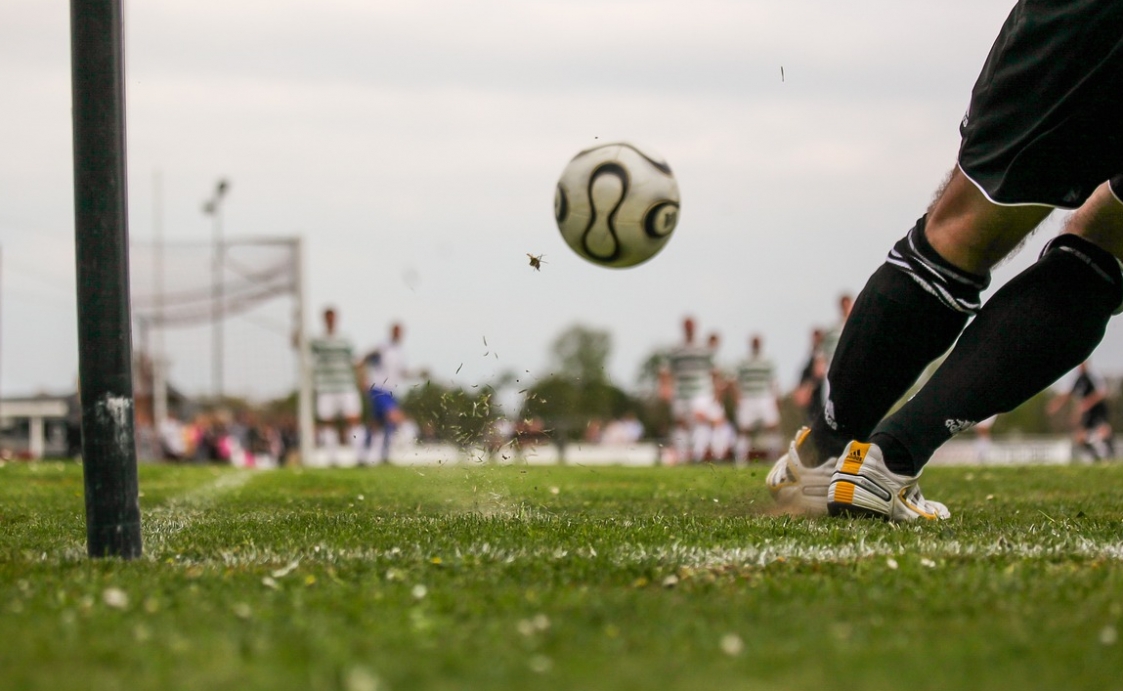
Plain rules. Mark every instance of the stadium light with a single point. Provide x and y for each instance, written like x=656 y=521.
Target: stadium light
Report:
x=213 y=207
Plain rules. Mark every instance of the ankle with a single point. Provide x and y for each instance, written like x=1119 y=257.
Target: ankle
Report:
x=897 y=457
x=822 y=444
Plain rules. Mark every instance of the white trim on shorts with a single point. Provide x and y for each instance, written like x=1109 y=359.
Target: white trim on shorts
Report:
x=1006 y=204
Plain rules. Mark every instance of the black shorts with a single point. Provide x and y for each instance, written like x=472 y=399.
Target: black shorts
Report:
x=1045 y=124
x=1094 y=416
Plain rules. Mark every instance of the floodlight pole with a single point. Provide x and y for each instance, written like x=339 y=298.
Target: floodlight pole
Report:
x=101 y=249
x=159 y=380
x=213 y=207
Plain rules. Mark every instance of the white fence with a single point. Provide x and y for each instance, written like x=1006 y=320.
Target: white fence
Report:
x=958 y=452
x=410 y=454
x=1013 y=451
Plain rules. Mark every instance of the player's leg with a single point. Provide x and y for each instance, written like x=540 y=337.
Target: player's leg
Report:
x=394 y=418
x=351 y=410
x=1088 y=434
x=699 y=441
x=770 y=428
x=388 y=415
x=913 y=308
x=1100 y=219
x=680 y=431
x=741 y=446
x=1108 y=439
x=1043 y=323
x=1039 y=326
x=328 y=409
x=1038 y=134
x=1038 y=131
x=1098 y=428
x=746 y=421
x=722 y=437
x=909 y=313
x=699 y=428
x=324 y=412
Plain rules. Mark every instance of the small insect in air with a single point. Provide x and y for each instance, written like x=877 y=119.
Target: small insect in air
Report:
x=536 y=260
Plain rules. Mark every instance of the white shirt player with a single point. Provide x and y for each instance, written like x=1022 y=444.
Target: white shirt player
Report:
x=385 y=367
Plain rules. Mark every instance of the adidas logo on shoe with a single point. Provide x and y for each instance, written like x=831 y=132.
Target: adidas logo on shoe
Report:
x=864 y=486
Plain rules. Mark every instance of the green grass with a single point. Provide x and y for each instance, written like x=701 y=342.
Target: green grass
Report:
x=560 y=578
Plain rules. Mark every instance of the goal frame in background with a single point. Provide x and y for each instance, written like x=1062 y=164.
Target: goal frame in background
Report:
x=161 y=313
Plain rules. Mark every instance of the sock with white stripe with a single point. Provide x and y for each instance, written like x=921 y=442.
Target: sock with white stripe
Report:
x=1045 y=321
x=909 y=313
x=959 y=290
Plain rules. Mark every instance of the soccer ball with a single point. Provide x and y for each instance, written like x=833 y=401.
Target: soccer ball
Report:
x=616 y=204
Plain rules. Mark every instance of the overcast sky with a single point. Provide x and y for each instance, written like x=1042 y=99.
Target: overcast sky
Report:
x=415 y=145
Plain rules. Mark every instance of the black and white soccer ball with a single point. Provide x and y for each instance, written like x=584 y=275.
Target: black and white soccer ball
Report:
x=616 y=204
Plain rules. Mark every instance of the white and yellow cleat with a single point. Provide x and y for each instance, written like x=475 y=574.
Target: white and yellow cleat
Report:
x=800 y=489
x=862 y=485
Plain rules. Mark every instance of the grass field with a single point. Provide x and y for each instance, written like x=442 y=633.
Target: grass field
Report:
x=560 y=578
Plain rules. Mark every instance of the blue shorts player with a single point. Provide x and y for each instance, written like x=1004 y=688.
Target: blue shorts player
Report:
x=384 y=373
x=383 y=406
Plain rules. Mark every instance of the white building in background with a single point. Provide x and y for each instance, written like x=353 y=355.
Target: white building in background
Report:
x=38 y=426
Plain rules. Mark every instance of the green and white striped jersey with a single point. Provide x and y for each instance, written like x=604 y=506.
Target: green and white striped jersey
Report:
x=691 y=370
x=333 y=367
x=755 y=376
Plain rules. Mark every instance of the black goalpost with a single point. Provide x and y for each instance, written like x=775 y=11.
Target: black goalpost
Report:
x=101 y=250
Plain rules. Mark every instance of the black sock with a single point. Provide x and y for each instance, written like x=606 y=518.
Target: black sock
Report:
x=1040 y=325
x=909 y=313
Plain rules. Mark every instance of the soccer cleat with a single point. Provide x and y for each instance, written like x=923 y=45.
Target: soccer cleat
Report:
x=863 y=486
x=797 y=488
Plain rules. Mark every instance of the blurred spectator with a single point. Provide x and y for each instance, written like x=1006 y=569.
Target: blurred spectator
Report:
x=624 y=431
x=173 y=440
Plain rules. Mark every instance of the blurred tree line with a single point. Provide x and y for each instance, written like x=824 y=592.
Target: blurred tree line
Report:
x=575 y=395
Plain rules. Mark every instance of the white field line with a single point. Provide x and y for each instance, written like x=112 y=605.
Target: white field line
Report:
x=673 y=555
x=162 y=522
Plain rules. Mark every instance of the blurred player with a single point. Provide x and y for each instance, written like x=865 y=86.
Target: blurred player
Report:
x=384 y=374
x=713 y=435
x=757 y=393
x=984 y=440
x=1040 y=132
x=832 y=335
x=808 y=395
x=337 y=394
x=1092 y=427
x=686 y=381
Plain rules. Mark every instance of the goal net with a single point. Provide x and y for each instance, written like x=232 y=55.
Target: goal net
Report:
x=219 y=323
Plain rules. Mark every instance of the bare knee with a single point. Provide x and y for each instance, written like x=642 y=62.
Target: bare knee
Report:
x=973 y=233
x=1100 y=220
